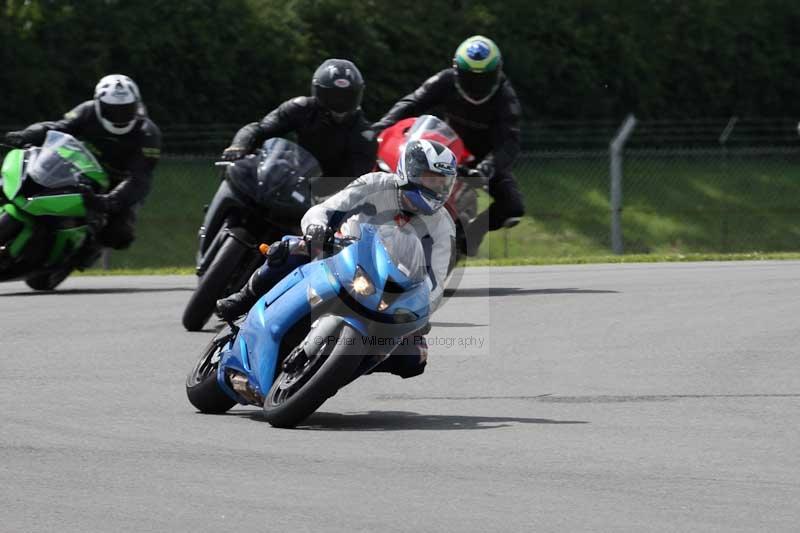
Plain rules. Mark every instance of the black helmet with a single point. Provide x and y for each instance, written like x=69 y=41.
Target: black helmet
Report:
x=338 y=86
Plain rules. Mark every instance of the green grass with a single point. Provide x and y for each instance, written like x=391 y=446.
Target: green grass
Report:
x=633 y=258
x=673 y=207
x=145 y=271
x=168 y=222
x=509 y=261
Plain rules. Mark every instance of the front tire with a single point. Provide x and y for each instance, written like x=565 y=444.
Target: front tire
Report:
x=202 y=388
x=296 y=395
x=9 y=228
x=48 y=281
x=214 y=284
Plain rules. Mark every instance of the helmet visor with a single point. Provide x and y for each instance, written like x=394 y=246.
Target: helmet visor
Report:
x=478 y=85
x=338 y=100
x=118 y=114
x=436 y=186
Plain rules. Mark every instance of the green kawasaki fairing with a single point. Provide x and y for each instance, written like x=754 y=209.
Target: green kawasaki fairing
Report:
x=50 y=209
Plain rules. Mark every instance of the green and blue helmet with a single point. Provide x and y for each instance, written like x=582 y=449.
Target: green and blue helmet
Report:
x=478 y=65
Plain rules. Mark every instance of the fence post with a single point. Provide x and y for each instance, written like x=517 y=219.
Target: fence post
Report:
x=723 y=142
x=726 y=132
x=615 y=155
x=105 y=258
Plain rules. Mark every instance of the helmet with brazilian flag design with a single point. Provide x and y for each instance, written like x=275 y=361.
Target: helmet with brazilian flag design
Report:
x=478 y=66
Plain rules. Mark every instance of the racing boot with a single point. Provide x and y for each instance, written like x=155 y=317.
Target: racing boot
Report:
x=408 y=360
x=277 y=264
x=239 y=303
x=88 y=256
x=475 y=232
x=480 y=226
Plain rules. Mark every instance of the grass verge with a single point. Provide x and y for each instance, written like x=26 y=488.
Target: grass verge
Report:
x=510 y=261
x=675 y=205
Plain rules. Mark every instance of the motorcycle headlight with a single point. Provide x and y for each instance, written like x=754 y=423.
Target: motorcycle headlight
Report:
x=362 y=284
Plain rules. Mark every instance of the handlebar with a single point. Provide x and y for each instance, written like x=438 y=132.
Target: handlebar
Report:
x=333 y=244
x=472 y=177
x=223 y=163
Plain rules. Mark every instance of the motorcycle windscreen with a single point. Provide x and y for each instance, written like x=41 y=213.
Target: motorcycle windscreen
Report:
x=405 y=250
x=282 y=177
x=61 y=161
x=434 y=129
x=281 y=153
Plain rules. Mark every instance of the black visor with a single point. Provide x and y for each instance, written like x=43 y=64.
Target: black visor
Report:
x=118 y=114
x=478 y=85
x=339 y=100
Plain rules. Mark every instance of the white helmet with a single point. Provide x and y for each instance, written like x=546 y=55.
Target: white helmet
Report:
x=428 y=169
x=117 y=103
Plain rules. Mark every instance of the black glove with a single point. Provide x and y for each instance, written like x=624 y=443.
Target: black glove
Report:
x=315 y=237
x=99 y=203
x=17 y=138
x=232 y=153
x=486 y=168
x=278 y=253
x=372 y=132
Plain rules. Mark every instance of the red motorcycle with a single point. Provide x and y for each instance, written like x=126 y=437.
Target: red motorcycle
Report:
x=463 y=202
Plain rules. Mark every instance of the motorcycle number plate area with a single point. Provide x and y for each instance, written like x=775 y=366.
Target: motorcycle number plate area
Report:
x=284 y=285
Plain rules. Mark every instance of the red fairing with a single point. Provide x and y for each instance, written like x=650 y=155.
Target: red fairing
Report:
x=392 y=139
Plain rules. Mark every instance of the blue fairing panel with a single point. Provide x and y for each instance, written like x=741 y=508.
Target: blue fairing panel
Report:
x=256 y=350
x=284 y=285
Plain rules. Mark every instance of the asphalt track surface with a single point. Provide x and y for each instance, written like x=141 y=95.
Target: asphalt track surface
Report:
x=653 y=397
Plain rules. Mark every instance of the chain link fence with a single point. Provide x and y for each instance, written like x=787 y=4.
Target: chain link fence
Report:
x=685 y=187
x=707 y=200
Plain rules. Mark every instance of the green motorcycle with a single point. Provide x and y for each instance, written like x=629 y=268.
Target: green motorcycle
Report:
x=44 y=224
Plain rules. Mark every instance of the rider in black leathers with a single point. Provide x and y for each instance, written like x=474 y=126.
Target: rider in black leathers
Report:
x=480 y=104
x=114 y=126
x=330 y=124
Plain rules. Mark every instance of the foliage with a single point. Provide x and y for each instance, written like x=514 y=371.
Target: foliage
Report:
x=211 y=61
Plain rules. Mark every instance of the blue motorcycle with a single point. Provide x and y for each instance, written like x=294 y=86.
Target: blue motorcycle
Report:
x=322 y=326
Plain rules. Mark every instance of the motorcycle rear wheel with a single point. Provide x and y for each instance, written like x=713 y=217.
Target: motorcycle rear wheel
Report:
x=294 y=396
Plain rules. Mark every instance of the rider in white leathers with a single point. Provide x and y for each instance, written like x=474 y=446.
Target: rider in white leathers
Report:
x=414 y=196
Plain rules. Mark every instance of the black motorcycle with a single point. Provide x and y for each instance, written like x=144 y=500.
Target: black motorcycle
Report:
x=261 y=198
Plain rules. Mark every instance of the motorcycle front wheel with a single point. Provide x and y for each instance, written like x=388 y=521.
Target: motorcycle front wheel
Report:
x=202 y=388
x=9 y=228
x=48 y=281
x=214 y=283
x=297 y=392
